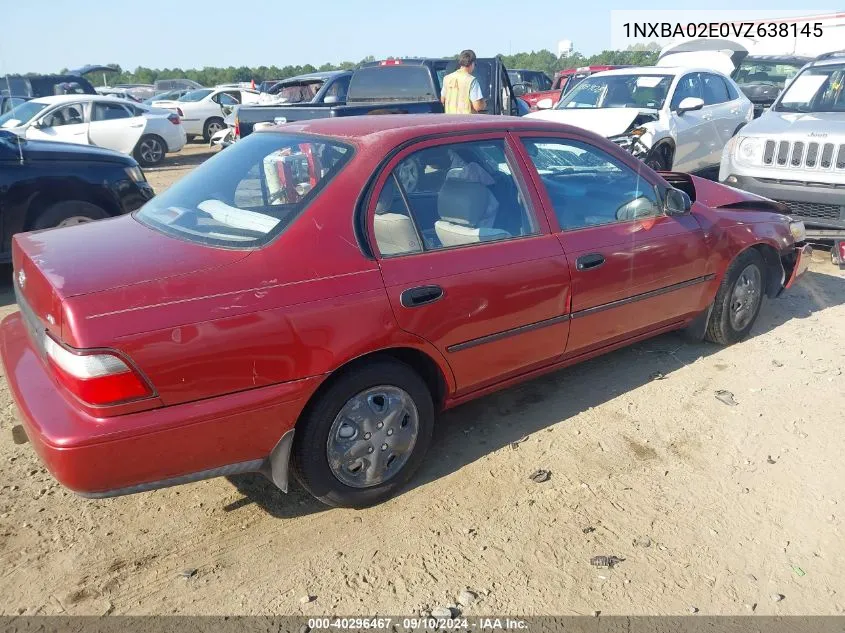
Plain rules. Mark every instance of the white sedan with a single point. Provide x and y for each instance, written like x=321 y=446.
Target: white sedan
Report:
x=671 y=118
x=202 y=110
x=129 y=128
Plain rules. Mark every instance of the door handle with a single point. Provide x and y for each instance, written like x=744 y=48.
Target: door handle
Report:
x=422 y=295
x=586 y=262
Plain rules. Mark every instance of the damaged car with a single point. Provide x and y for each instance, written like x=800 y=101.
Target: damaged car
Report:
x=795 y=152
x=307 y=315
x=671 y=118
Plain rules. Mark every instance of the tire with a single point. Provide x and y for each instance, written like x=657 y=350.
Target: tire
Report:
x=68 y=213
x=658 y=159
x=189 y=138
x=211 y=127
x=150 y=150
x=312 y=449
x=725 y=327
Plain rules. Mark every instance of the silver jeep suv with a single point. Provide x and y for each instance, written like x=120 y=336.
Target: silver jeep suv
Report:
x=795 y=152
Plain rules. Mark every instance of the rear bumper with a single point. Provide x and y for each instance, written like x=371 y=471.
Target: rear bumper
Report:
x=822 y=209
x=150 y=449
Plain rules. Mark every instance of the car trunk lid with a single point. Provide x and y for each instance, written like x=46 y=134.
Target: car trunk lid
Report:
x=54 y=265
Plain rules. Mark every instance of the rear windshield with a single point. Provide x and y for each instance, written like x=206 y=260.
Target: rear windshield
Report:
x=195 y=95
x=392 y=83
x=250 y=193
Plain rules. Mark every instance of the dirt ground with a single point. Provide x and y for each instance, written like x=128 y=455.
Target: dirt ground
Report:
x=720 y=508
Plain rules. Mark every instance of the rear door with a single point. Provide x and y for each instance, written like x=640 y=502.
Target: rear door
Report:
x=468 y=259
x=66 y=124
x=633 y=269
x=115 y=126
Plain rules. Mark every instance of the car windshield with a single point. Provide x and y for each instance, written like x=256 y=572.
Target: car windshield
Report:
x=21 y=114
x=816 y=89
x=195 y=95
x=618 y=91
x=250 y=193
x=765 y=72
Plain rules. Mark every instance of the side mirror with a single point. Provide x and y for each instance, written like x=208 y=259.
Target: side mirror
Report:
x=40 y=123
x=545 y=104
x=688 y=104
x=676 y=202
x=331 y=99
x=519 y=89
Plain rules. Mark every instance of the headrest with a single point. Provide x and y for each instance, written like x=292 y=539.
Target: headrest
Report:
x=462 y=202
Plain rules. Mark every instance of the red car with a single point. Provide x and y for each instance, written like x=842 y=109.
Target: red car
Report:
x=292 y=283
x=565 y=80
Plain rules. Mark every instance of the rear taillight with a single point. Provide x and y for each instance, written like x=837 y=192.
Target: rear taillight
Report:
x=96 y=378
x=237 y=127
x=842 y=252
x=174 y=119
x=180 y=113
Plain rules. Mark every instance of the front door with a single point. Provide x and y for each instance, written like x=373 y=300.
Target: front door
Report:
x=468 y=260
x=694 y=130
x=633 y=269
x=66 y=124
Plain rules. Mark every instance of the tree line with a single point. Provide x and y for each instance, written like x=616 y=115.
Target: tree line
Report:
x=543 y=60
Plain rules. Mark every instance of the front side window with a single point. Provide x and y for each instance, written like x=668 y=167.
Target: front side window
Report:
x=466 y=194
x=618 y=91
x=589 y=188
x=816 y=89
x=688 y=86
x=66 y=115
x=249 y=194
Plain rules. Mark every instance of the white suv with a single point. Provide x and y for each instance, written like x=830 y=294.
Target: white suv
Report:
x=672 y=118
x=795 y=152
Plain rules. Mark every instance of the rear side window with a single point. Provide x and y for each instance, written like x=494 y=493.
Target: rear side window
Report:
x=392 y=83
x=713 y=89
x=732 y=93
x=249 y=194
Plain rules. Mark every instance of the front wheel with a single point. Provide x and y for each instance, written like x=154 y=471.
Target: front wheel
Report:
x=365 y=436
x=658 y=159
x=738 y=299
x=68 y=213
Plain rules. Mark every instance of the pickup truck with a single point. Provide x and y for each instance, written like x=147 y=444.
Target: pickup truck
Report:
x=393 y=86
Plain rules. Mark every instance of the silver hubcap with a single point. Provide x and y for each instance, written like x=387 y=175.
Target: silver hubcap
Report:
x=373 y=436
x=214 y=128
x=409 y=175
x=746 y=296
x=151 y=150
x=73 y=220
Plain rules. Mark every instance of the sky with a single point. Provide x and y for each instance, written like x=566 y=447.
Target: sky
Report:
x=196 y=33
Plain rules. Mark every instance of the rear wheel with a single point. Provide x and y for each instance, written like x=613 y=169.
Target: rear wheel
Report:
x=150 y=150
x=365 y=436
x=68 y=213
x=738 y=299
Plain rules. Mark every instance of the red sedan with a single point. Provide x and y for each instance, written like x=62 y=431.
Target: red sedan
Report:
x=296 y=301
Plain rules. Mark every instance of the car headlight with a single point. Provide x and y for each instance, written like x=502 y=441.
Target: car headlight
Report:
x=135 y=174
x=798 y=230
x=749 y=150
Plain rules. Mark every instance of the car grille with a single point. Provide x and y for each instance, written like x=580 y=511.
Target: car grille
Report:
x=813 y=209
x=802 y=155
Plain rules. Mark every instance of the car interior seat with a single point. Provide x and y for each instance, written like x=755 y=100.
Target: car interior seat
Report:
x=461 y=205
x=395 y=232
x=73 y=116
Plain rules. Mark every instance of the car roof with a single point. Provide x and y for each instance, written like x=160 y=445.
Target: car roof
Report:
x=323 y=74
x=393 y=129
x=656 y=70
x=56 y=99
x=800 y=59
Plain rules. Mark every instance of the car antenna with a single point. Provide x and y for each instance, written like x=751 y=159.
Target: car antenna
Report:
x=9 y=90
